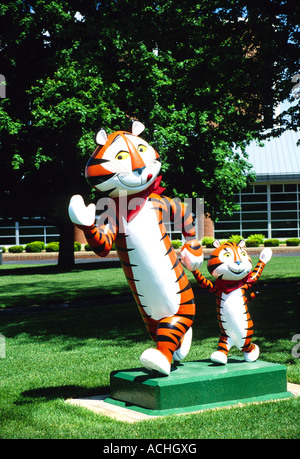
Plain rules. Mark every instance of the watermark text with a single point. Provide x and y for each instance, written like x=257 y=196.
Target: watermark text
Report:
x=296 y=348
x=2 y=87
x=2 y=347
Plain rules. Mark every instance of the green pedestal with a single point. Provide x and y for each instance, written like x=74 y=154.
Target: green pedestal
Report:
x=194 y=386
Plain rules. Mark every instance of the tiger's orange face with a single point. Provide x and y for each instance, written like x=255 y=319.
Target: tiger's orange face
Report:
x=122 y=162
x=229 y=261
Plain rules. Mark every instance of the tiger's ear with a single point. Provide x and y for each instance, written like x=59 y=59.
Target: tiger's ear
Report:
x=137 y=128
x=241 y=243
x=101 y=137
x=216 y=243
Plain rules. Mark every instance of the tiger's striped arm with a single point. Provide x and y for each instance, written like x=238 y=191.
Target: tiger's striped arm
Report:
x=100 y=239
x=203 y=282
x=181 y=216
x=265 y=256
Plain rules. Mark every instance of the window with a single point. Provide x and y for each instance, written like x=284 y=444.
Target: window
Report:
x=272 y=210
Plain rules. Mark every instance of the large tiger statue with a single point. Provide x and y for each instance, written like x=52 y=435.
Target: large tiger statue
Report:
x=125 y=168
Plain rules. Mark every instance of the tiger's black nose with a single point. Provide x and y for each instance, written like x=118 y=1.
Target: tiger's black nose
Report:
x=139 y=170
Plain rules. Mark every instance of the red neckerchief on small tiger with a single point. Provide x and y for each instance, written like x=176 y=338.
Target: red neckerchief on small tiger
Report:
x=227 y=286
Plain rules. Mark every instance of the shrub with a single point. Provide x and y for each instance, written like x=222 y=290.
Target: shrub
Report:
x=16 y=249
x=36 y=246
x=254 y=240
x=208 y=242
x=292 y=242
x=3 y=249
x=176 y=243
x=52 y=247
x=271 y=243
x=77 y=246
x=236 y=238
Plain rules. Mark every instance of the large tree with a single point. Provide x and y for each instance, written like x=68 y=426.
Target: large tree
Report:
x=203 y=77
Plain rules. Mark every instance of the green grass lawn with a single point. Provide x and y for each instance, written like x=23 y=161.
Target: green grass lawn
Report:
x=57 y=354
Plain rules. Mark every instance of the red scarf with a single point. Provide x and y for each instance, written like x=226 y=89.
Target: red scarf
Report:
x=227 y=286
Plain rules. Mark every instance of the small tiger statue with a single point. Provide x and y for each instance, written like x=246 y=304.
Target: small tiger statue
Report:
x=125 y=165
x=231 y=266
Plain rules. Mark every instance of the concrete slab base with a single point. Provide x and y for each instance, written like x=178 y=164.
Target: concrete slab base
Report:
x=193 y=387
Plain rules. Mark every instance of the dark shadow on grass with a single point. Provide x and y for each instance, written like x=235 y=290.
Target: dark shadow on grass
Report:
x=54 y=269
x=116 y=320
x=57 y=392
x=275 y=314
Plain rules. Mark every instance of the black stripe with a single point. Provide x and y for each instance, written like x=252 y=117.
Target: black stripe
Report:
x=93 y=181
x=181 y=275
x=213 y=267
x=165 y=339
x=187 y=287
x=192 y=301
x=132 y=279
x=127 y=264
x=96 y=161
x=170 y=250
x=175 y=264
x=121 y=249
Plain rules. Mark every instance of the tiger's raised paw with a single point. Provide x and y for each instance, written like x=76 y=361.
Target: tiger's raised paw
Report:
x=79 y=213
x=192 y=256
x=153 y=359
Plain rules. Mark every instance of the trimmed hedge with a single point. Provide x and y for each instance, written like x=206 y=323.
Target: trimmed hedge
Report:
x=254 y=240
x=236 y=238
x=35 y=247
x=176 y=243
x=52 y=247
x=271 y=243
x=16 y=249
x=77 y=246
x=208 y=242
x=292 y=242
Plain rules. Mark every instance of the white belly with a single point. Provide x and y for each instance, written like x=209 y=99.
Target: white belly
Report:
x=155 y=279
x=233 y=317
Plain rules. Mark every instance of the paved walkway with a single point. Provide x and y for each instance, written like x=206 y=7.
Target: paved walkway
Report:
x=87 y=257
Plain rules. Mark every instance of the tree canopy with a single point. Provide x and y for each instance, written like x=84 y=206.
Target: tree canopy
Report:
x=202 y=76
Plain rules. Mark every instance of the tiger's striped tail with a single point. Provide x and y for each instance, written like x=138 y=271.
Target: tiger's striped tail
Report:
x=203 y=282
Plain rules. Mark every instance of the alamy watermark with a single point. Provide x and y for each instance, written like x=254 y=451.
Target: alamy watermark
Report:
x=2 y=347
x=126 y=206
x=296 y=349
x=2 y=87
x=296 y=87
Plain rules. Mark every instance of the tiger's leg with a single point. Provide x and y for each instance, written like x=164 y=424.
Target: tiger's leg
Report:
x=251 y=352
x=220 y=356
x=170 y=331
x=183 y=346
